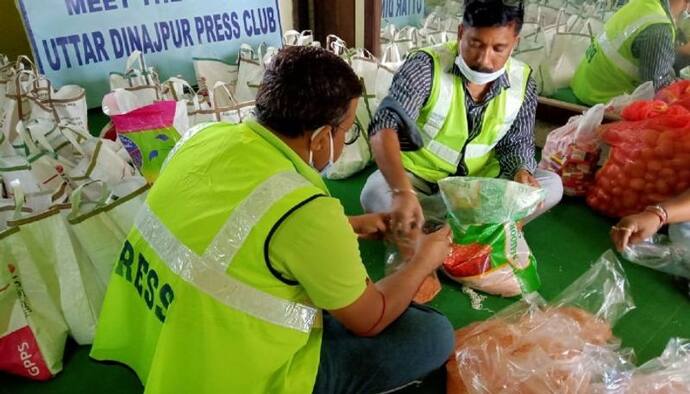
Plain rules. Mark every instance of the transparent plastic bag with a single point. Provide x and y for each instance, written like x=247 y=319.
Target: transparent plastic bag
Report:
x=668 y=373
x=572 y=151
x=661 y=254
x=395 y=258
x=490 y=253
x=565 y=346
x=485 y=200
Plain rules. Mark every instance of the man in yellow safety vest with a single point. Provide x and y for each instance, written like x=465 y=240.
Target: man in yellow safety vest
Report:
x=463 y=108
x=637 y=45
x=242 y=274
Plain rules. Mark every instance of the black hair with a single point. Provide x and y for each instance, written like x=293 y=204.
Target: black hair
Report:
x=494 y=13
x=305 y=88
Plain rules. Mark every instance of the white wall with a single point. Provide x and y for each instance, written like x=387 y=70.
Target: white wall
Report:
x=359 y=23
x=286 y=14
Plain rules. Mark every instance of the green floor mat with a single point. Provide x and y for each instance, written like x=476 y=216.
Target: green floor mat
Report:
x=565 y=241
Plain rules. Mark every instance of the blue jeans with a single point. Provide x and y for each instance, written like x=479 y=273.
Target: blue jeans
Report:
x=417 y=343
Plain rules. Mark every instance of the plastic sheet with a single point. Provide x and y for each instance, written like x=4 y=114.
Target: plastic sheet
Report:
x=491 y=253
x=668 y=373
x=661 y=254
x=565 y=346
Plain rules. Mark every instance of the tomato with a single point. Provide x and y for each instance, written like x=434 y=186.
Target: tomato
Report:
x=635 y=169
x=647 y=154
x=657 y=198
x=637 y=184
x=629 y=200
x=655 y=165
x=468 y=260
x=650 y=187
x=649 y=137
x=662 y=186
x=681 y=162
x=664 y=150
x=667 y=173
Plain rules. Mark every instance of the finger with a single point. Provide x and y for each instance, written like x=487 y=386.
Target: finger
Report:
x=625 y=238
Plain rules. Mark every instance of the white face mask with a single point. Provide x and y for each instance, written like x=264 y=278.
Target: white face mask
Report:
x=477 y=77
x=324 y=171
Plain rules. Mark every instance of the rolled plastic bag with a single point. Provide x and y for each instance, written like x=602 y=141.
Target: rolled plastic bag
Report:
x=490 y=252
x=564 y=346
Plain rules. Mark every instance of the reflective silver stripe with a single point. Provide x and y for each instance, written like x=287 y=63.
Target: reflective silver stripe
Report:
x=204 y=273
x=438 y=114
x=515 y=94
x=611 y=47
x=618 y=41
x=447 y=154
x=247 y=214
x=472 y=151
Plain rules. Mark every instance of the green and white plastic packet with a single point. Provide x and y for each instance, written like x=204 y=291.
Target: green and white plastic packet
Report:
x=490 y=252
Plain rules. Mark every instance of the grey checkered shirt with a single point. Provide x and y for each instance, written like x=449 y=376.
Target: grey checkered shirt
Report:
x=411 y=88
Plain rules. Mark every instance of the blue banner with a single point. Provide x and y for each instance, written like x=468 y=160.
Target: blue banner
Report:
x=403 y=12
x=82 y=41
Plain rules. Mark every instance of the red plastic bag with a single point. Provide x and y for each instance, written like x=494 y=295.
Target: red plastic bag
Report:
x=649 y=161
x=677 y=93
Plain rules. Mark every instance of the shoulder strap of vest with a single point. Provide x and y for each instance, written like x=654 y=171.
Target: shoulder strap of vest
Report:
x=271 y=233
x=444 y=57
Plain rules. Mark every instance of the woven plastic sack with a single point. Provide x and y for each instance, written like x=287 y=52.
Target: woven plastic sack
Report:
x=563 y=346
x=491 y=253
x=649 y=160
x=32 y=330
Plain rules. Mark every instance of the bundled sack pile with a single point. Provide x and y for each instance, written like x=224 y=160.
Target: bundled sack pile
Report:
x=67 y=202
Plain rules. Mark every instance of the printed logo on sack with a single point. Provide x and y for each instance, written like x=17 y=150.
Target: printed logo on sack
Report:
x=146 y=281
x=20 y=289
x=21 y=355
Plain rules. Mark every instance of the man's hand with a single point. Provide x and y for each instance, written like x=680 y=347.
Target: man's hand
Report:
x=634 y=228
x=370 y=226
x=406 y=214
x=524 y=177
x=434 y=248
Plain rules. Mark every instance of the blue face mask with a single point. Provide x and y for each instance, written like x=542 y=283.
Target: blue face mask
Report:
x=327 y=169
